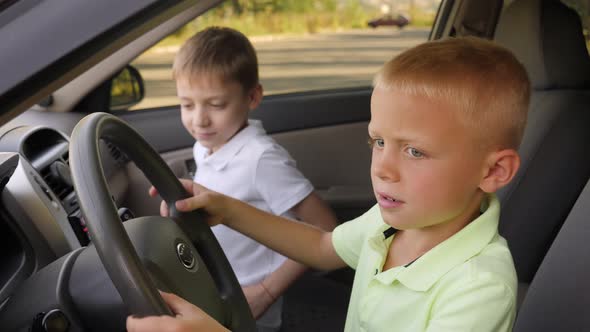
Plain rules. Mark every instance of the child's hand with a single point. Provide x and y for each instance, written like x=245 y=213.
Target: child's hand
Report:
x=188 y=318
x=153 y=192
x=212 y=202
x=258 y=299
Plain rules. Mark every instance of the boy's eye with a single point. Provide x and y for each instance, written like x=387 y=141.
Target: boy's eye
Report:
x=379 y=142
x=415 y=153
x=218 y=105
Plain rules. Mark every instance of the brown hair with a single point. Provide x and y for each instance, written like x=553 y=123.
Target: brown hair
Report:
x=485 y=81
x=218 y=51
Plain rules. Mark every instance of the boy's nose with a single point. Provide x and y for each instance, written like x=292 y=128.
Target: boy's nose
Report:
x=386 y=167
x=201 y=118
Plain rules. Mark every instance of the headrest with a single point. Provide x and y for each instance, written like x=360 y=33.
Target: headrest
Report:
x=546 y=36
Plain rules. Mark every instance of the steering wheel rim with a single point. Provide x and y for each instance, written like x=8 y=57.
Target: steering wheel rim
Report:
x=112 y=243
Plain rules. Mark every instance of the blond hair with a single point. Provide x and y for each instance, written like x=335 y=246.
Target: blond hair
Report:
x=219 y=51
x=485 y=81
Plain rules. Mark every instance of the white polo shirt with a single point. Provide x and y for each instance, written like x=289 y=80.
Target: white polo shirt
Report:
x=253 y=168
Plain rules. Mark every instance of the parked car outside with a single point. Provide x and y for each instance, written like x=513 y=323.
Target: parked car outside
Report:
x=399 y=21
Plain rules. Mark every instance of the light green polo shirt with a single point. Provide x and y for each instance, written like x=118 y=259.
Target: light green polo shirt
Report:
x=466 y=283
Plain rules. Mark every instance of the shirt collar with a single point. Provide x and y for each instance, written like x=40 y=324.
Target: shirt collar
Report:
x=225 y=154
x=468 y=242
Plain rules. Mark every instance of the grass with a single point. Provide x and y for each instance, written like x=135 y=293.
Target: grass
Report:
x=422 y=19
x=281 y=23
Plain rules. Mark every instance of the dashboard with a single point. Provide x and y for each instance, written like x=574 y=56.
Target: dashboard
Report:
x=40 y=219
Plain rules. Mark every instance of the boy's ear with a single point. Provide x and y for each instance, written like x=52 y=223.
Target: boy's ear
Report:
x=255 y=97
x=501 y=167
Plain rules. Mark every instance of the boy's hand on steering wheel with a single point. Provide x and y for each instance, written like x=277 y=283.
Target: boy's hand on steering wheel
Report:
x=200 y=198
x=188 y=318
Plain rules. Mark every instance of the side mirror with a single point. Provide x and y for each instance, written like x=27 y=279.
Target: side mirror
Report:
x=127 y=89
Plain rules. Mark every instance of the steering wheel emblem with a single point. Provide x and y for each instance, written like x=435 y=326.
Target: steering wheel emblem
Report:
x=185 y=254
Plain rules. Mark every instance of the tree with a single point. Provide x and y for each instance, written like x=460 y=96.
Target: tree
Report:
x=238 y=9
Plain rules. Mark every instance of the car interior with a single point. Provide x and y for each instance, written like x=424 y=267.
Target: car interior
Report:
x=79 y=270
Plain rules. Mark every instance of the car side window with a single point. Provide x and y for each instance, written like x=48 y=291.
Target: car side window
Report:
x=582 y=7
x=302 y=46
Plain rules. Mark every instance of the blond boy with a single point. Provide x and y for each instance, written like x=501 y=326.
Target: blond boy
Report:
x=446 y=119
x=216 y=73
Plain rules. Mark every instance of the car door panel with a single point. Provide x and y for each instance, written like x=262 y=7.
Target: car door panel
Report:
x=336 y=159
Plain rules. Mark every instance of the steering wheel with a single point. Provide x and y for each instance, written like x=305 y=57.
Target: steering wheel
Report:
x=180 y=252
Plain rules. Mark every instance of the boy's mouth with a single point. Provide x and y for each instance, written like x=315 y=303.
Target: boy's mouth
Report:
x=204 y=135
x=388 y=201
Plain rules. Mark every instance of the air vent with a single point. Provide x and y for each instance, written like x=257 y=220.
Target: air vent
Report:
x=119 y=157
x=58 y=178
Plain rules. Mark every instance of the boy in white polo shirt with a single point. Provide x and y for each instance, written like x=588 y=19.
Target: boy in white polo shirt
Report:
x=446 y=119
x=216 y=73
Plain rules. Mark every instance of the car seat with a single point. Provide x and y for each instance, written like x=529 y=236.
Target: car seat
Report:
x=558 y=299
x=546 y=36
